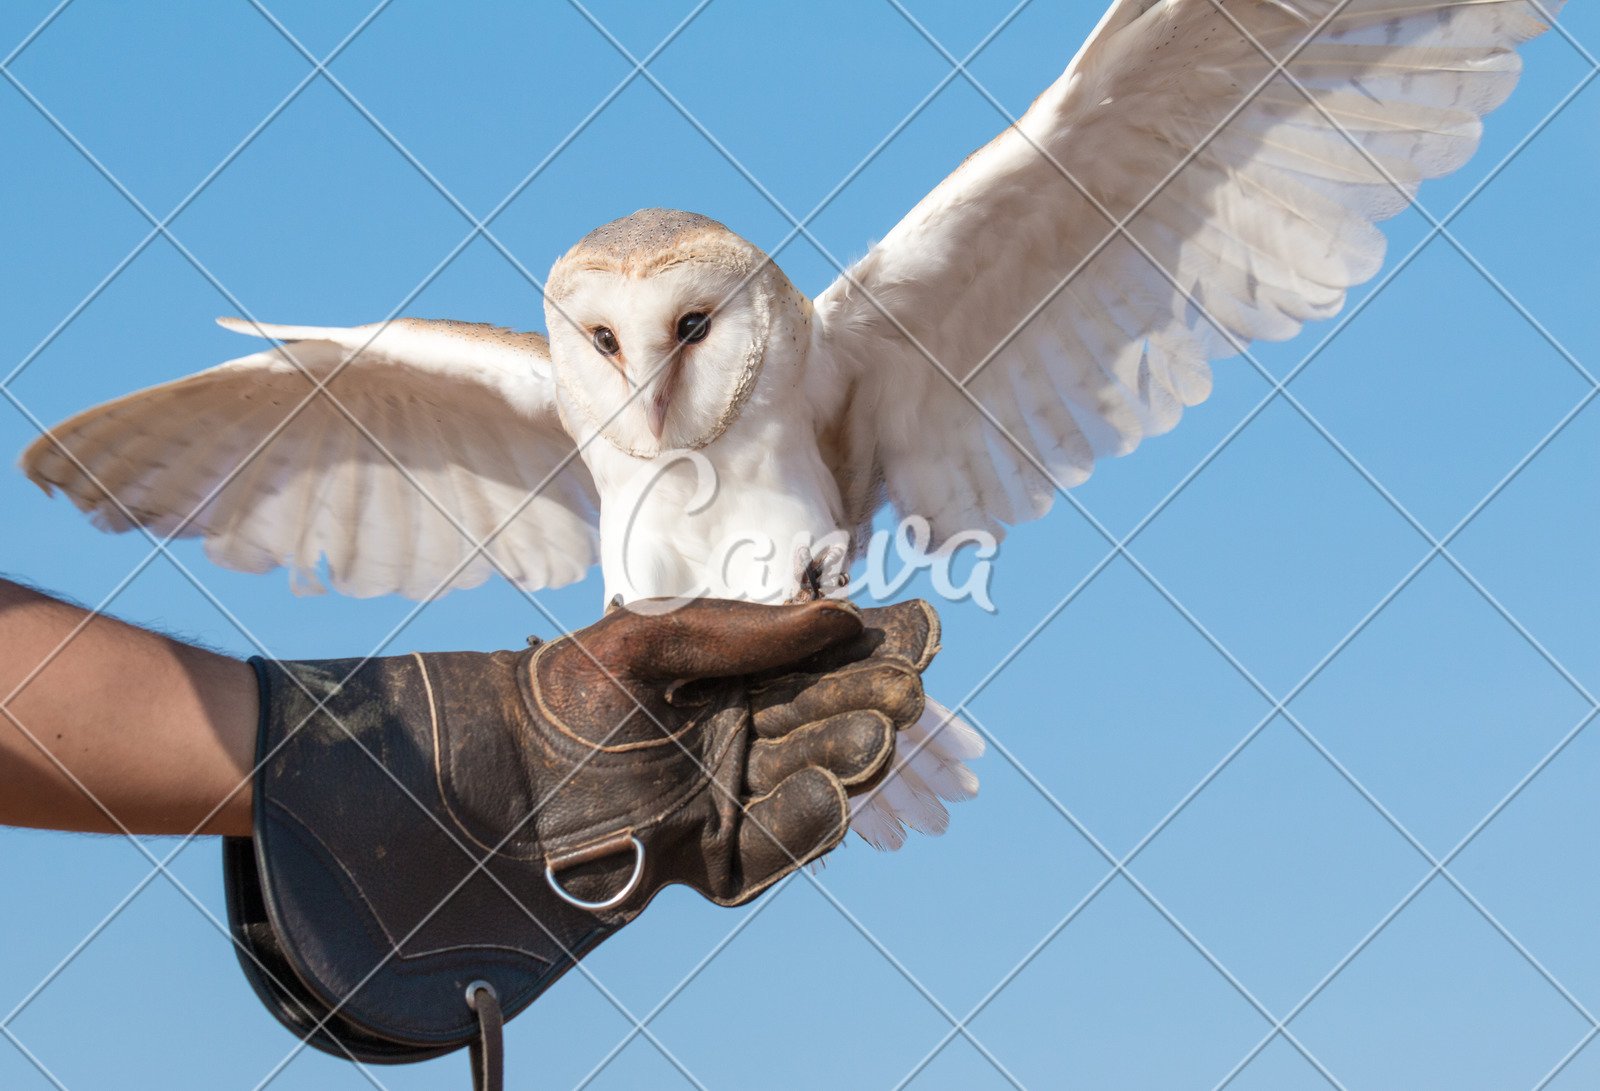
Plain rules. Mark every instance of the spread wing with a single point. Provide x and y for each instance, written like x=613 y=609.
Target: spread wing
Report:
x=438 y=427
x=1249 y=210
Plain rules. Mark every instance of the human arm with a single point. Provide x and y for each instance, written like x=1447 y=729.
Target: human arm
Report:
x=106 y=727
x=456 y=806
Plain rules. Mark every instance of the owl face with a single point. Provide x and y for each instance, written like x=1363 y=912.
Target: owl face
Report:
x=660 y=326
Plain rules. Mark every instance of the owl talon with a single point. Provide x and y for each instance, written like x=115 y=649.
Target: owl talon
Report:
x=816 y=576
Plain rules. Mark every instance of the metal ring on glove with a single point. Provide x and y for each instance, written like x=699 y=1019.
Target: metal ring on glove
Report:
x=473 y=989
x=616 y=899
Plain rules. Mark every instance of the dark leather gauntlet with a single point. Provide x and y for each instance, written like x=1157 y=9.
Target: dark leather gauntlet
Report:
x=434 y=827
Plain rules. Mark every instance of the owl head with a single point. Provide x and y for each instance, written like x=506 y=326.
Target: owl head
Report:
x=661 y=324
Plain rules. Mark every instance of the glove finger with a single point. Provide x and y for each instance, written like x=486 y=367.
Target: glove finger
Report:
x=721 y=638
x=907 y=631
x=799 y=820
x=784 y=704
x=853 y=746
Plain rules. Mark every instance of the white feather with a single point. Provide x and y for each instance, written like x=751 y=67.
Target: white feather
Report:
x=457 y=426
x=1266 y=227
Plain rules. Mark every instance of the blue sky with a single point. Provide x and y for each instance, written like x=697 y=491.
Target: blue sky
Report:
x=1151 y=689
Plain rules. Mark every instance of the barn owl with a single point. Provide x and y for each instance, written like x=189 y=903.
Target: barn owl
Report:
x=1204 y=174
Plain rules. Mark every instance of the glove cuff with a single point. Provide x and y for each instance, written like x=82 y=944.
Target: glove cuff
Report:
x=363 y=907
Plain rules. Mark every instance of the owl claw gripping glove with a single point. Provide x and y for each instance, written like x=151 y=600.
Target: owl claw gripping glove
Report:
x=438 y=837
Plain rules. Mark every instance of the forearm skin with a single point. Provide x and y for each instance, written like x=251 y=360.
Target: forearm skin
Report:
x=106 y=727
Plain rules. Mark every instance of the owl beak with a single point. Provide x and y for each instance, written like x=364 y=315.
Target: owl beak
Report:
x=658 y=395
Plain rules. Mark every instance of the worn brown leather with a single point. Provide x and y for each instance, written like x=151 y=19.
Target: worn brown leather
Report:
x=724 y=736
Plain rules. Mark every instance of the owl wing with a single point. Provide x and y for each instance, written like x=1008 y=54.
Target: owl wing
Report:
x=434 y=431
x=1247 y=214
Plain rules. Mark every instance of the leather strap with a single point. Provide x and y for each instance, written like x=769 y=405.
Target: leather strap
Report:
x=488 y=1052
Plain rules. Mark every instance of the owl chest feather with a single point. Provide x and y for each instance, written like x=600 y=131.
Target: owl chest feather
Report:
x=724 y=521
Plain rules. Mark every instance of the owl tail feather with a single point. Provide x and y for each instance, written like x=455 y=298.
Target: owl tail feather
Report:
x=929 y=768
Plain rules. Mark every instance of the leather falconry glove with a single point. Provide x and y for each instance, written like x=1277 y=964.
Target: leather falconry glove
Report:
x=438 y=837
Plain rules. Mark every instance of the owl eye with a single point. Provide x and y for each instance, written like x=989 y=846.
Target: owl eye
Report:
x=605 y=342
x=693 y=327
